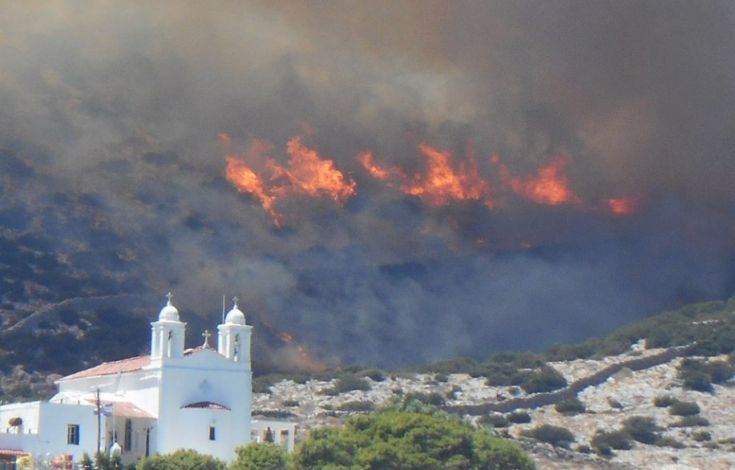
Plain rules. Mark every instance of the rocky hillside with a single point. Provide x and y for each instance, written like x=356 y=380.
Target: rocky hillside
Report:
x=649 y=406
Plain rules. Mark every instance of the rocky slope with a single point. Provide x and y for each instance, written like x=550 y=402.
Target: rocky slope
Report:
x=626 y=393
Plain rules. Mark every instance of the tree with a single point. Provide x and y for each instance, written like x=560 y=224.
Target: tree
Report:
x=257 y=456
x=181 y=459
x=395 y=439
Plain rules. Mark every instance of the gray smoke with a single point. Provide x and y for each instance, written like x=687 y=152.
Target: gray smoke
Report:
x=109 y=116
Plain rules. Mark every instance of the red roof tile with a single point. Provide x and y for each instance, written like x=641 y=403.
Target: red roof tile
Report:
x=110 y=368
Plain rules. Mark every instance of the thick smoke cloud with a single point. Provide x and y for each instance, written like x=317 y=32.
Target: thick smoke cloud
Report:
x=109 y=117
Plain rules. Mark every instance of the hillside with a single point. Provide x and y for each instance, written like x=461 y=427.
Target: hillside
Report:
x=652 y=394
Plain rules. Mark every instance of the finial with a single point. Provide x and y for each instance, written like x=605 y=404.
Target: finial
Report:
x=206 y=335
x=169 y=296
x=235 y=300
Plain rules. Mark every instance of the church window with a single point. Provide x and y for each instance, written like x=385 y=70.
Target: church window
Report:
x=127 y=442
x=211 y=433
x=72 y=434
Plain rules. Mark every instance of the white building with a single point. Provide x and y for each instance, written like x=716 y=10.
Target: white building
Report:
x=169 y=399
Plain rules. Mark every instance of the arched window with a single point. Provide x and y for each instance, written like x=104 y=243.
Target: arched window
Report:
x=169 y=344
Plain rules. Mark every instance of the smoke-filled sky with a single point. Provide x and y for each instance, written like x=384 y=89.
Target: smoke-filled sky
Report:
x=387 y=182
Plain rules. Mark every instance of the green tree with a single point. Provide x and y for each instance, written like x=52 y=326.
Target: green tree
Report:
x=257 y=456
x=182 y=459
x=394 y=439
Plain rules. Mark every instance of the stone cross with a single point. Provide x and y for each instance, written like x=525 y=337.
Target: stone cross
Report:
x=169 y=296
x=206 y=335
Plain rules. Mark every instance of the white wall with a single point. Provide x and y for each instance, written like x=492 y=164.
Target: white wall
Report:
x=52 y=420
x=204 y=376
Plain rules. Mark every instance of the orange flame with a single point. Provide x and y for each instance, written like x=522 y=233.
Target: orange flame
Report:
x=247 y=181
x=305 y=173
x=623 y=206
x=376 y=171
x=312 y=175
x=549 y=186
x=443 y=183
x=305 y=359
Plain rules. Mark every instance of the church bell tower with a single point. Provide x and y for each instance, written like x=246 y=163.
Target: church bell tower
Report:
x=233 y=340
x=167 y=334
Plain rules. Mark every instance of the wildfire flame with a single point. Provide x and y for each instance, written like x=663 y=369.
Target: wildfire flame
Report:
x=305 y=173
x=368 y=162
x=623 y=206
x=442 y=182
x=548 y=186
x=305 y=360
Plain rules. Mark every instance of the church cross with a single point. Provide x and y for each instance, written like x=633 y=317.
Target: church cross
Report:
x=169 y=296
x=206 y=336
x=235 y=300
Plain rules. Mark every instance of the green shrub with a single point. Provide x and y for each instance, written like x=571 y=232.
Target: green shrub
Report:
x=641 y=428
x=259 y=456
x=519 y=417
x=441 y=377
x=356 y=406
x=690 y=421
x=546 y=379
x=554 y=435
x=571 y=406
x=182 y=458
x=583 y=449
x=618 y=440
x=669 y=442
x=683 y=408
x=494 y=420
x=614 y=403
x=663 y=401
x=696 y=380
x=347 y=383
x=431 y=398
x=701 y=436
x=412 y=441
x=375 y=375
x=289 y=403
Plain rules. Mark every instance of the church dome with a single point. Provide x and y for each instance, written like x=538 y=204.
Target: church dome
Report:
x=169 y=312
x=235 y=316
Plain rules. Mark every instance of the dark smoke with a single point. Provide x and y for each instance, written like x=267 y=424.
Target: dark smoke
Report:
x=109 y=160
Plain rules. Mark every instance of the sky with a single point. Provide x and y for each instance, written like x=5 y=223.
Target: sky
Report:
x=385 y=182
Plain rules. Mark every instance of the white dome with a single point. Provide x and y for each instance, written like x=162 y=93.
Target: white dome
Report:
x=235 y=316
x=169 y=312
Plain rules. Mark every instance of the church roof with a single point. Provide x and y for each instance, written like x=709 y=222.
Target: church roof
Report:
x=130 y=364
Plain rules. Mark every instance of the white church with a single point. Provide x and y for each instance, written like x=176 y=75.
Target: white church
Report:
x=173 y=398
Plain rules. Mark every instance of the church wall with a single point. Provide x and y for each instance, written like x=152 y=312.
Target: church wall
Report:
x=212 y=379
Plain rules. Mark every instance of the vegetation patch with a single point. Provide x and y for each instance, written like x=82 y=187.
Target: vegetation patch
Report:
x=571 y=406
x=554 y=435
x=683 y=408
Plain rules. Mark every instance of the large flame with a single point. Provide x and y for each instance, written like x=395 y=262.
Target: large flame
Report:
x=305 y=173
x=247 y=181
x=309 y=174
x=548 y=186
x=441 y=183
